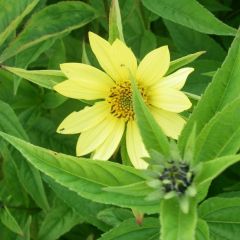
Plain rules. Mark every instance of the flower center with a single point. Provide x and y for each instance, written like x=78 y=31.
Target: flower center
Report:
x=177 y=177
x=120 y=99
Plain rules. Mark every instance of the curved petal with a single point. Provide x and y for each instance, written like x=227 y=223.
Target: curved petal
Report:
x=169 y=99
x=87 y=74
x=85 y=119
x=153 y=66
x=135 y=147
x=94 y=137
x=171 y=123
x=109 y=146
x=175 y=80
x=125 y=57
x=106 y=57
x=78 y=90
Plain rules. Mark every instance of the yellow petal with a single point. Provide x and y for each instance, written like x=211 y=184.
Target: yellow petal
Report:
x=135 y=147
x=77 y=90
x=105 y=56
x=94 y=137
x=171 y=123
x=153 y=66
x=87 y=75
x=85 y=119
x=125 y=57
x=169 y=99
x=109 y=146
x=175 y=80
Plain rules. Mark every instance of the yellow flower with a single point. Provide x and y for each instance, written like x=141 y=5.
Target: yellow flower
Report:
x=102 y=125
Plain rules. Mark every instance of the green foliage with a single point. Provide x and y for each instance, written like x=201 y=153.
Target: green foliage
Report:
x=46 y=193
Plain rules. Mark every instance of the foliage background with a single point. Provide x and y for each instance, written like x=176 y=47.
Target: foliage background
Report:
x=34 y=36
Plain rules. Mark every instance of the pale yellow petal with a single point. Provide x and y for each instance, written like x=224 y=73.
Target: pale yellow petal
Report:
x=125 y=57
x=153 y=66
x=85 y=119
x=106 y=56
x=169 y=99
x=109 y=146
x=175 y=80
x=171 y=123
x=87 y=75
x=94 y=137
x=135 y=147
x=77 y=90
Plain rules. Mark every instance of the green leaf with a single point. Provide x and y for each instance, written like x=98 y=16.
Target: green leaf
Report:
x=211 y=169
x=218 y=138
x=59 y=220
x=180 y=62
x=224 y=89
x=9 y=221
x=43 y=78
x=29 y=177
x=85 y=176
x=115 y=22
x=152 y=134
x=12 y=13
x=87 y=209
x=52 y=21
x=129 y=230
x=9 y=122
x=222 y=216
x=176 y=225
x=187 y=41
x=202 y=232
x=184 y=12
x=140 y=189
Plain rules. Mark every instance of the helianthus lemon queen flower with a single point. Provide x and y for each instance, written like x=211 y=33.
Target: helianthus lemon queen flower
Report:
x=102 y=125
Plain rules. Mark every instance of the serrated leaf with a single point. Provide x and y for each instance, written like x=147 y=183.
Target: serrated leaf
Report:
x=85 y=176
x=12 y=13
x=52 y=21
x=129 y=230
x=43 y=78
x=224 y=89
x=184 y=12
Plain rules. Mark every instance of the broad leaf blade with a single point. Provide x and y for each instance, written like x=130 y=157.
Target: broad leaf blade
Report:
x=184 y=12
x=221 y=136
x=175 y=225
x=9 y=221
x=52 y=21
x=85 y=176
x=11 y=14
x=29 y=177
x=58 y=221
x=222 y=216
x=224 y=89
x=129 y=230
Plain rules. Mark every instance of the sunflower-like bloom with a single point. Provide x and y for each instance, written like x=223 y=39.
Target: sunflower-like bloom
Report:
x=103 y=124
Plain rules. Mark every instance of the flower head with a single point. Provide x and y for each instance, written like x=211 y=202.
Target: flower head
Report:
x=102 y=125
